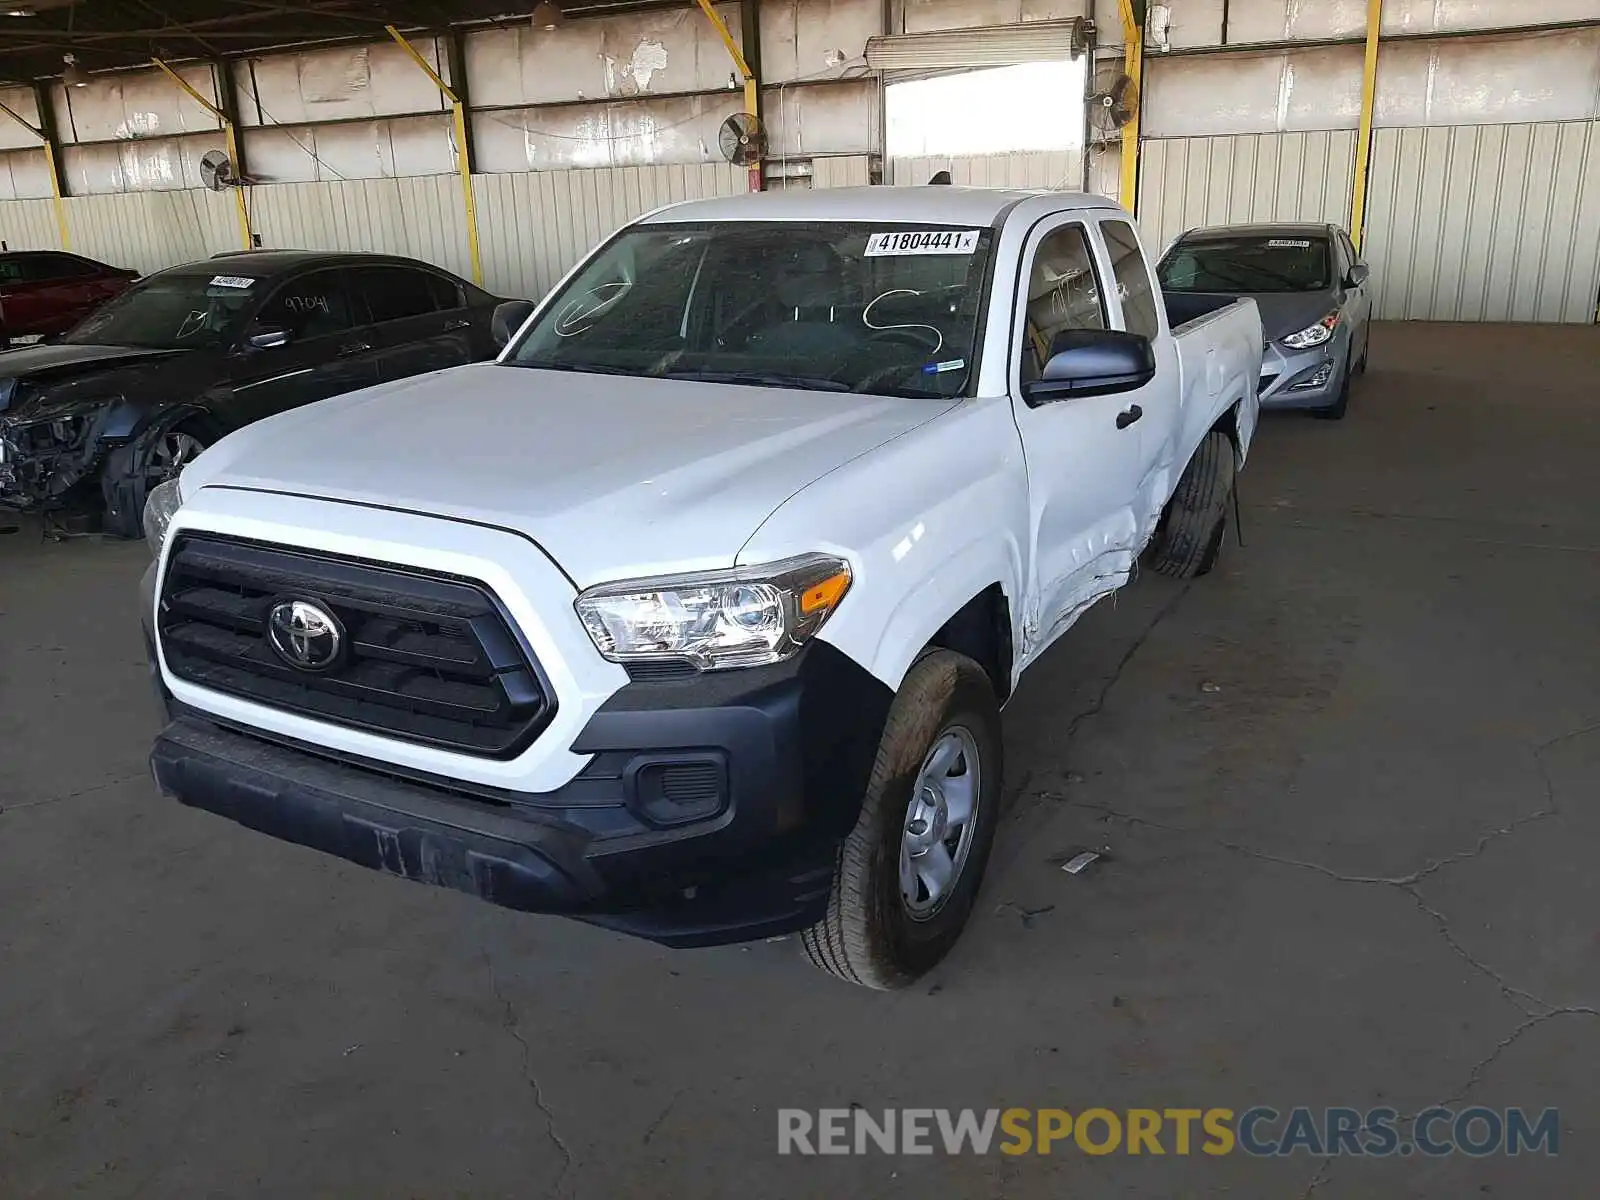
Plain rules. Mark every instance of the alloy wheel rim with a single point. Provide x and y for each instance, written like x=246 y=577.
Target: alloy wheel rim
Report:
x=941 y=818
x=171 y=454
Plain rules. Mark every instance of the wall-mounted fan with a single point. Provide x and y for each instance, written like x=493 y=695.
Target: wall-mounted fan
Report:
x=216 y=171
x=742 y=140
x=1114 y=103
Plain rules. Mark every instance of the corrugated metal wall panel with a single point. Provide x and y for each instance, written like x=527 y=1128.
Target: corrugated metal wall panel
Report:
x=420 y=217
x=535 y=225
x=152 y=230
x=1052 y=169
x=1486 y=222
x=850 y=170
x=29 y=225
x=1187 y=182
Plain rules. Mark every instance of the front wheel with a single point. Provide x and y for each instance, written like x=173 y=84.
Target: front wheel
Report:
x=909 y=872
x=132 y=472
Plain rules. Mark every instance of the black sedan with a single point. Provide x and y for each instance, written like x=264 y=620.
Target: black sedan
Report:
x=123 y=400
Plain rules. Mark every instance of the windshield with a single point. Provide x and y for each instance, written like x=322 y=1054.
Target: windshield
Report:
x=170 y=312
x=1247 y=264
x=888 y=310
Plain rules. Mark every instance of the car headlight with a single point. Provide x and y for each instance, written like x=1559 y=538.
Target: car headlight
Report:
x=716 y=619
x=164 y=500
x=1313 y=335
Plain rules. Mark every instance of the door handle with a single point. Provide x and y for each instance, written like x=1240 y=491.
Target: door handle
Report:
x=452 y=326
x=355 y=348
x=1129 y=415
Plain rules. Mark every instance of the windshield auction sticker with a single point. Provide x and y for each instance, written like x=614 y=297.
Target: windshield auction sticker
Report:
x=922 y=241
x=232 y=281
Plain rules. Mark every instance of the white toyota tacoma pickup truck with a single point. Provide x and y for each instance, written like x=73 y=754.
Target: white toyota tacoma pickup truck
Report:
x=692 y=615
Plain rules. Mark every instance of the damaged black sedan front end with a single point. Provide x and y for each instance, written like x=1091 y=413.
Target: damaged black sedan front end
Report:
x=64 y=410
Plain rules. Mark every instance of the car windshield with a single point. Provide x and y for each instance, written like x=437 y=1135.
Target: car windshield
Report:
x=875 y=308
x=1247 y=264
x=171 y=312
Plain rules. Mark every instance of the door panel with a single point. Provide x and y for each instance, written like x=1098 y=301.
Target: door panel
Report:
x=1083 y=468
x=421 y=320
x=328 y=352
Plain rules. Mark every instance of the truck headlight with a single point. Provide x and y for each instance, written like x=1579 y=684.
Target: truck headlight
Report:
x=163 y=501
x=742 y=617
x=1313 y=335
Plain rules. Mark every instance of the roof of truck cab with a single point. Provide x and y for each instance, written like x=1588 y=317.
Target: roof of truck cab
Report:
x=934 y=204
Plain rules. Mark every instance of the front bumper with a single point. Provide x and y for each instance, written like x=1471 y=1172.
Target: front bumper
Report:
x=711 y=811
x=1289 y=378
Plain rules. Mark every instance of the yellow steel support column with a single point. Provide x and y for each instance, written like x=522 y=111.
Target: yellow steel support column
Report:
x=458 y=113
x=229 y=133
x=1133 y=64
x=48 y=146
x=1369 y=90
x=752 y=93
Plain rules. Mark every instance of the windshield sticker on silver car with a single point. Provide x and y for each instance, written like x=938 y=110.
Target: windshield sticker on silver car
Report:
x=922 y=241
x=1288 y=244
x=232 y=281
x=939 y=368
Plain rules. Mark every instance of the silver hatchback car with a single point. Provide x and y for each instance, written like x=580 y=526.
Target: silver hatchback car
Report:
x=1311 y=287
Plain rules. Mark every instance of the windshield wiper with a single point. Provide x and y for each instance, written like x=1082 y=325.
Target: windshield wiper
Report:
x=581 y=368
x=761 y=379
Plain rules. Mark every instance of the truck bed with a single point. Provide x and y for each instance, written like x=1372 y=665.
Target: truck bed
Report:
x=1186 y=307
x=1219 y=365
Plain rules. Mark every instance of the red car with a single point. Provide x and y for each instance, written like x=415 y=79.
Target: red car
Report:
x=44 y=292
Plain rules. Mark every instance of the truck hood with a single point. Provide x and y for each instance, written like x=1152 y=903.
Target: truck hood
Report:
x=614 y=476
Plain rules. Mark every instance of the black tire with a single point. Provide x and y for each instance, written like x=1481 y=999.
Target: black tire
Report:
x=868 y=935
x=1336 y=410
x=1189 y=537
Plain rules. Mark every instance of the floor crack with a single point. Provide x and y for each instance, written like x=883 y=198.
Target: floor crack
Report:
x=84 y=791
x=513 y=1025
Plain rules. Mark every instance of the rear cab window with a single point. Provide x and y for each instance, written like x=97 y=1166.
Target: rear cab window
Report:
x=1132 y=274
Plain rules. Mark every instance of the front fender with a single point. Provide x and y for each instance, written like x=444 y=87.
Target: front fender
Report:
x=928 y=521
x=123 y=480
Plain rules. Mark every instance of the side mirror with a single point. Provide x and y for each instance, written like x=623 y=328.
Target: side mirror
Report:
x=1092 y=362
x=267 y=337
x=508 y=318
x=1359 y=274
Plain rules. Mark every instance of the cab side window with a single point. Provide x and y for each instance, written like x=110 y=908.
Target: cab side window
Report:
x=314 y=305
x=1133 y=279
x=1063 y=293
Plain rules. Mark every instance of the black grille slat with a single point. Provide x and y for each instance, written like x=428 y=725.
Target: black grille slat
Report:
x=430 y=658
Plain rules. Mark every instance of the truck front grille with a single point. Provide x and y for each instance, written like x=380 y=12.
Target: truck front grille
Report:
x=427 y=658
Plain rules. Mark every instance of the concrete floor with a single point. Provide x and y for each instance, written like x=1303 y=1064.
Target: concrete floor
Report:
x=1348 y=784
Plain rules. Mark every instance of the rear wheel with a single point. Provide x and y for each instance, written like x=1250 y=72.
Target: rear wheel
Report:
x=1189 y=537
x=909 y=871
